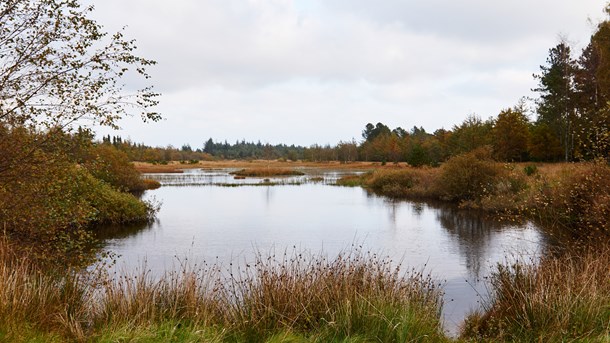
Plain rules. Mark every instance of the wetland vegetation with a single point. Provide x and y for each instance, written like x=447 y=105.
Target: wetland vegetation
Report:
x=59 y=186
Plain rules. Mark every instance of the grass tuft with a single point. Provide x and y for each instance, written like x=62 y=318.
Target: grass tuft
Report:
x=267 y=172
x=294 y=296
x=563 y=298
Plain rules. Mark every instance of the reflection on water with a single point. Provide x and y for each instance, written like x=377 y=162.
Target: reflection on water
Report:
x=223 y=177
x=231 y=223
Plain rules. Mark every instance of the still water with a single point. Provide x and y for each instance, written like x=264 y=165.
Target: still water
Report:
x=203 y=219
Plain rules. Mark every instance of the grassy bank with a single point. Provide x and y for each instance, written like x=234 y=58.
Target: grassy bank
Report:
x=563 y=298
x=572 y=197
x=356 y=297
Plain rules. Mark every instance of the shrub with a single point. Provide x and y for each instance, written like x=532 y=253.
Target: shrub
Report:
x=150 y=184
x=393 y=183
x=530 y=169
x=107 y=163
x=577 y=200
x=469 y=176
x=51 y=211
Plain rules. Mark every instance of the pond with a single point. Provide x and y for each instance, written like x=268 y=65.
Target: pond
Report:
x=207 y=215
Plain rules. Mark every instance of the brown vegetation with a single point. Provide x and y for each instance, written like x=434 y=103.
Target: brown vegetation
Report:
x=177 y=167
x=561 y=298
x=353 y=295
x=266 y=172
x=574 y=197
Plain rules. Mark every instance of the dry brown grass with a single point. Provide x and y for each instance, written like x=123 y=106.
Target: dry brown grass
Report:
x=267 y=172
x=31 y=296
x=356 y=294
x=573 y=197
x=176 y=167
x=413 y=183
x=562 y=298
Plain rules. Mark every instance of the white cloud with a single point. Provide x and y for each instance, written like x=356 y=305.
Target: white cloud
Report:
x=316 y=71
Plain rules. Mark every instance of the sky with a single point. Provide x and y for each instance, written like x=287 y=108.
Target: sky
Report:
x=309 y=72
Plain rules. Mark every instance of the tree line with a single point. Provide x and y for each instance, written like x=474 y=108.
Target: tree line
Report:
x=572 y=123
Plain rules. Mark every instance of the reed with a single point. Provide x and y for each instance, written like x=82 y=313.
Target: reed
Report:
x=267 y=172
x=563 y=298
x=350 y=181
x=150 y=184
x=355 y=296
x=36 y=302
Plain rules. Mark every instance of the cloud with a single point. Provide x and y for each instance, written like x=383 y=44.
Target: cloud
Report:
x=307 y=71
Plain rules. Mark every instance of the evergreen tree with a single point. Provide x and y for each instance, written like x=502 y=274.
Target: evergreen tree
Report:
x=556 y=106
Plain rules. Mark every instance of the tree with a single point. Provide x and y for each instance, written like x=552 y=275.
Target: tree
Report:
x=592 y=88
x=347 y=151
x=57 y=68
x=544 y=144
x=511 y=135
x=371 y=132
x=473 y=133
x=556 y=87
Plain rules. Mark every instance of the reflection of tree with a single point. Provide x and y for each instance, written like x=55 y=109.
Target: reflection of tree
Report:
x=474 y=232
x=117 y=231
x=418 y=208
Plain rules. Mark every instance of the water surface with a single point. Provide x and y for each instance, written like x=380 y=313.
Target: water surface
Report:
x=203 y=221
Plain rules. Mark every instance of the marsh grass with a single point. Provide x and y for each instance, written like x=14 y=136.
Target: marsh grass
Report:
x=415 y=183
x=267 y=172
x=35 y=302
x=571 y=198
x=355 y=293
x=147 y=184
x=562 y=298
x=350 y=181
x=575 y=198
x=356 y=296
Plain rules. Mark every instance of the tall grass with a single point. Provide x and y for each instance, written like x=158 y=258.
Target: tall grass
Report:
x=35 y=302
x=267 y=172
x=356 y=296
x=563 y=298
x=575 y=198
x=404 y=183
x=571 y=197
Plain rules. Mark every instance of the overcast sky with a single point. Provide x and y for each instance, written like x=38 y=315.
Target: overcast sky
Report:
x=317 y=71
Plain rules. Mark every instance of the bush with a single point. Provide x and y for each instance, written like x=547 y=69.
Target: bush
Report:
x=150 y=184
x=49 y=212
x=107 y=163
x=392 y=183
x=530 y=170
x=578 y=200
x=469 y=176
